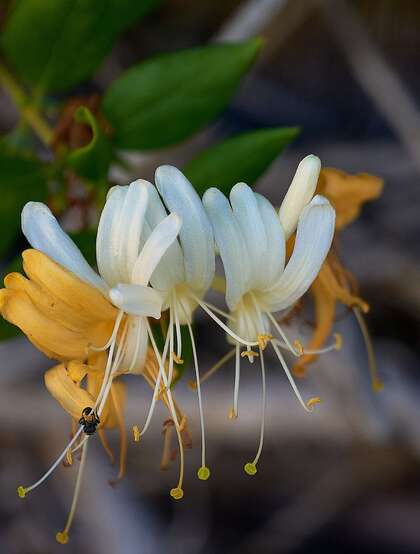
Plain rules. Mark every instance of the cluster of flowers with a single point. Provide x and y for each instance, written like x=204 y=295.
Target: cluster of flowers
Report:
x=156 y=247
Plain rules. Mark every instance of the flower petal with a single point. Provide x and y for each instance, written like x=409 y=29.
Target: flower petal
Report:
x=56 y=341
x=136 y=348
x=232 y=247
x=300 y=192
x=245 y=209
x=68 y=394
x=119 y=231
x=276 y=243
x=161 y=238
x=44 y=233
x=196 y=235
x=313 y=240
x=137 y=300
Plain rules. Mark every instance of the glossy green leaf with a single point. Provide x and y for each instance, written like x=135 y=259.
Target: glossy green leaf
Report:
x=169 y=97
x=242 y=158
x=21 y=179
x=93 y=160
x=55 y=44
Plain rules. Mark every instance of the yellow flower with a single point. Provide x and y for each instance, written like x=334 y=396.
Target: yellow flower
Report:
x=70 y=320
x=347 y=193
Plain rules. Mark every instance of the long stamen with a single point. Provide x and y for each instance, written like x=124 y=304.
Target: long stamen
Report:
x=251 y=467
x=233 y=414
x=309 y=405
x=177 y=493
x=338 y=342
x=297 y=350
x=178 y=333
x=113 y=334
x=22 y=491
x=218 y=310
x=63 y=536
x=204 y=472
x=157 y=384
x=376 y=382
x=223 y=325
x=193 y=385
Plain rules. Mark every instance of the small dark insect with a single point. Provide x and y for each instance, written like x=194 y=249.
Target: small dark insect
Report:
x=89 y=420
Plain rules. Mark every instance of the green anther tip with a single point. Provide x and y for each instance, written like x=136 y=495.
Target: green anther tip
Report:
x=203 y=473
x=21 y=491
x=62 y=537
x=250 y=468
x=177 y=493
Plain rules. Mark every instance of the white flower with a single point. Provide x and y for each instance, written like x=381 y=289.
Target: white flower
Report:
x=126 y=260
x=252 y=245
x=185 y=272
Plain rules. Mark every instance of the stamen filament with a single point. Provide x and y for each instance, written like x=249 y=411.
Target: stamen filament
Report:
x=113 y=334
x=251 y=467
x=205 y=474
x=289 y=376
x=237 y=379
x=376 y=382
x=52 y=468
x=224 y=326
x=63 y=536
x=296 y=352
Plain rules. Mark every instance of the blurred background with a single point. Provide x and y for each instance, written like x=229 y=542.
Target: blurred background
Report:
x=346 y=478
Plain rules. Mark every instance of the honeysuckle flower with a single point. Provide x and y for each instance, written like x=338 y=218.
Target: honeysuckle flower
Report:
x=184 y=273
x=334 y=283
x=252 y=244
x=95 y=324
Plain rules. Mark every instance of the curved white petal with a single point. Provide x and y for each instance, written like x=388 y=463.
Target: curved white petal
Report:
x=300 y=192
x=44 y=233
x=131 y=225
x=137 y=300
x=119 y=231
x=230 y=242
x=276 y=242
x=161 y=238
x=245 y=209
x=313 y=240
x=196 y=235
x=170 y=270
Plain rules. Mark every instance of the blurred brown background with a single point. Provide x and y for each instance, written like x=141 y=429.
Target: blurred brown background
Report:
x=347 y=478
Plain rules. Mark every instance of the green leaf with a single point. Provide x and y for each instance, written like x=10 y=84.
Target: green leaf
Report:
x=56 y=44
x=243 y=157
x=7 y=330
x=91 y=161
x=169 y=97
x=21 y=179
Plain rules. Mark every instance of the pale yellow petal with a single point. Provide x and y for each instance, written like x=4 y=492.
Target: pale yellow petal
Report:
x=68 y=394
x=55 y=340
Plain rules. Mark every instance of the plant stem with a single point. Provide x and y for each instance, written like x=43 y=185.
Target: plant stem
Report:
x=30 y=114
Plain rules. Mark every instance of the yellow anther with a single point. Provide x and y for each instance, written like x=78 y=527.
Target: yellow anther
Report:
x=250 y=354
x=203 y=473
x=299 y=347
x=62 y=537
x=263 y=340
x=364 y=306
x=177 y=359
x=250 y=468
x=377 y=385
x=192 y=385
x=136 y=433
x=313 y=401
x=338 y=341
x=177 y=493
x=21 y=491
x=232 y=414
